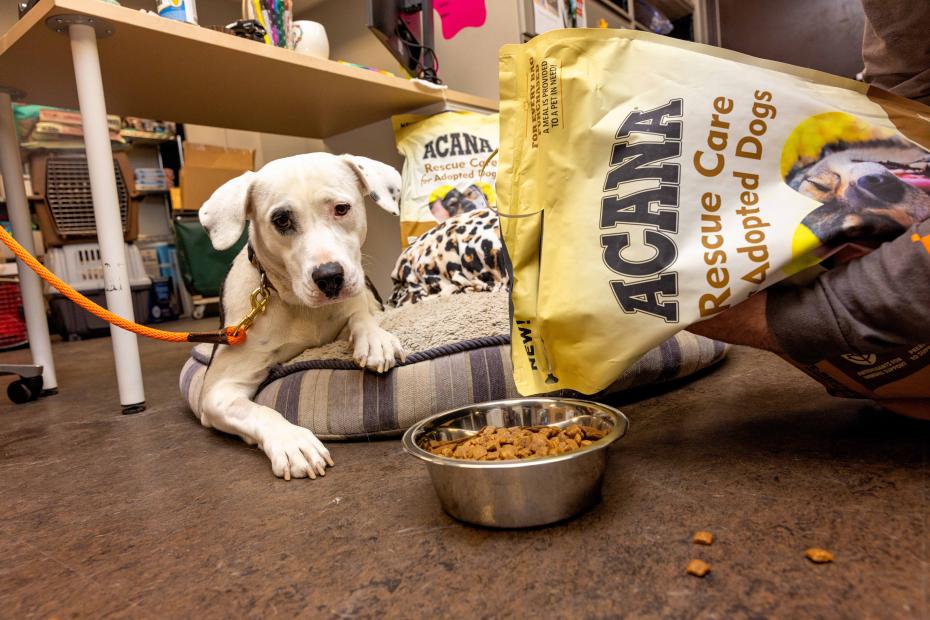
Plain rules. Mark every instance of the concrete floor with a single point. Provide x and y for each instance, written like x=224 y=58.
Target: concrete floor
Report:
x=152 y=516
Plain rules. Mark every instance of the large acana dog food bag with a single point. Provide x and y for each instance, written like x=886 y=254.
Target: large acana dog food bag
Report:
x=647 y=183
x=444 y=156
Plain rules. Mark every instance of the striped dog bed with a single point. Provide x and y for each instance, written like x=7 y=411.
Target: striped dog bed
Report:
x=458 y=354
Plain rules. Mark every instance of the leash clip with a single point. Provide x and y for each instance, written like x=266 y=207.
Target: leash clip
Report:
x=259 y=301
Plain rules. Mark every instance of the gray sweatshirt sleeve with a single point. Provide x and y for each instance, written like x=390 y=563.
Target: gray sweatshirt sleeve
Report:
x=875 y=303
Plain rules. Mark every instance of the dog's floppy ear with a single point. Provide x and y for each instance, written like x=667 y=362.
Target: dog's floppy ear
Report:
x=380 y=181
x=223 y=214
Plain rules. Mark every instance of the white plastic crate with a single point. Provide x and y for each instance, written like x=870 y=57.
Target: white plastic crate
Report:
x=80 y=266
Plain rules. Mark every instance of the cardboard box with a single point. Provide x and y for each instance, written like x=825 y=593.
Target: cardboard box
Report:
x=206 y=168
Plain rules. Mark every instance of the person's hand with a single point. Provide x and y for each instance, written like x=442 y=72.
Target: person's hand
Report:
x=743 y=324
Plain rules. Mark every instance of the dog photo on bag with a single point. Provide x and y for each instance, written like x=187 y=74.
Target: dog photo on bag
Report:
x=872 y=186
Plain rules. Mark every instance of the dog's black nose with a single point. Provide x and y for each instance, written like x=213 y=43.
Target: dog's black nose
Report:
x=885 y=187
x=329 y=278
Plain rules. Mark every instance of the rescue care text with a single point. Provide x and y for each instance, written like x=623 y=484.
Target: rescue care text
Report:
x=711 y=163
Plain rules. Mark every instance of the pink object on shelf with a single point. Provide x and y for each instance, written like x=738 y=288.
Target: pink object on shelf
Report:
x=458 y=14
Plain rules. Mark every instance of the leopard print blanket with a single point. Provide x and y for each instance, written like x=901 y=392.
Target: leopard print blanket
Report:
x=462 y=254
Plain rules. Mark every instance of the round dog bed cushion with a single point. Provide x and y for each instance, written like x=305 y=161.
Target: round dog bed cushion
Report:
x=458 y=353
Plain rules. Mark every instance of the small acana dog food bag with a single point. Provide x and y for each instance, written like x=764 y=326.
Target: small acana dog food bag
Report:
x=444 y=156
x=647 y=183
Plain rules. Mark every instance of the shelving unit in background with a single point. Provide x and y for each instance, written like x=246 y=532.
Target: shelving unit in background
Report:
x=160 y=68
x=155 y=217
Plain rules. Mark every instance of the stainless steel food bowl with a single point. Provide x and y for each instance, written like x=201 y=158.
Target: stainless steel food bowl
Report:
x=518 y=493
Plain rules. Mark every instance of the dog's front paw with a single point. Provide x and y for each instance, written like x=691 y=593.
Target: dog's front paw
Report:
x=377 y=349
x=295 y=452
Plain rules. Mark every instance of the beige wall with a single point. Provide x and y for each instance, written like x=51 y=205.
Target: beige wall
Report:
x=267 y=147
x=468 y=62
x=349 y=38
x=819 y=34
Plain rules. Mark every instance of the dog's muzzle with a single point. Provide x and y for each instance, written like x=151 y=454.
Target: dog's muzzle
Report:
x=329 y=278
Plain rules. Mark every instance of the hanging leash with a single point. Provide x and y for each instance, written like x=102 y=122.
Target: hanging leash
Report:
x=231 y=335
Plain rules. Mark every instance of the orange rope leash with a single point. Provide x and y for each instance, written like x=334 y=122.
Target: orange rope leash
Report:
x=230 y=335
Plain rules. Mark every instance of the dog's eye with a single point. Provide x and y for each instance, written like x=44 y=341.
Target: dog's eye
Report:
x=342 y=208
x=824 y=182
x=283 y=221
x=819 y=186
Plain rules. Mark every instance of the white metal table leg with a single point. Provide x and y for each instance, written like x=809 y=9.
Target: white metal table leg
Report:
x=33 y=301
x=106 y=212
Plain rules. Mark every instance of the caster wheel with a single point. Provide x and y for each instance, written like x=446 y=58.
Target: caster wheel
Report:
x=19 y=392
x=198 y=312
x=35 y=385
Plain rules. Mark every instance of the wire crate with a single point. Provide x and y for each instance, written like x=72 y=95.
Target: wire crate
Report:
x=65 y=212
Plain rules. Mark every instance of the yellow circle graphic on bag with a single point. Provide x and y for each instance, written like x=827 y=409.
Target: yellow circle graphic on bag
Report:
x=870 y=182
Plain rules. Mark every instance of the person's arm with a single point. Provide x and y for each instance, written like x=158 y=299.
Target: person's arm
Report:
x=878 y=302
x=745 y=324
x=894 y=49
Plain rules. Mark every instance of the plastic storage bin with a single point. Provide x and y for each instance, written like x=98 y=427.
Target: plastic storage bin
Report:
x=72 y=322
x=80 y=266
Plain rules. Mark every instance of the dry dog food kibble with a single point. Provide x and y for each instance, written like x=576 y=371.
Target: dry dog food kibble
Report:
x=698 y=568
x=516 y=442
x=818 y=556
x=702 y=538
